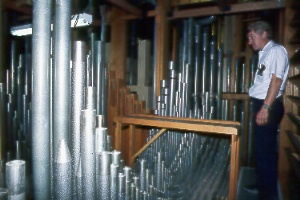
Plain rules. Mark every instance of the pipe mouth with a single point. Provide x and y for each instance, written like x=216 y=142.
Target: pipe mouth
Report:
x=14 y=163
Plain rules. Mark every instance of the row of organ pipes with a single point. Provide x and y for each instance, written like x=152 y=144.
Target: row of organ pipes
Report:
x=83 y=164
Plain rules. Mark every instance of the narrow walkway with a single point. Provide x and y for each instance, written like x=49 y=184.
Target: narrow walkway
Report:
x=247 y=177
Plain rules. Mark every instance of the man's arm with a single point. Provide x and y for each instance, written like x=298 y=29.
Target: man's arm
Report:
x=263 y=114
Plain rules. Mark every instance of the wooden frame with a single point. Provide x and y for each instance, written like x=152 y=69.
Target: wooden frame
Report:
x=213 y=127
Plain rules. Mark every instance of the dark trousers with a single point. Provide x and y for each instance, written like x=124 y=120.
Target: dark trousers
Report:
x=266 y=148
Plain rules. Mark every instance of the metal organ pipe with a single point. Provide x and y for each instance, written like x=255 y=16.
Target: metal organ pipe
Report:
x=88 y=158
x=16 y=179
x=77 y=104
x=62 y=171
x=61 y=85
x=41 y=98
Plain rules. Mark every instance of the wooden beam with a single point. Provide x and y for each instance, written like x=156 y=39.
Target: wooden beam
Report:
x=234 y=8
x=126 y=7
x=13 y=6
x=162 y=38
x=198 y=125
x=149 y=143
x=235 y=96
x=118 y=43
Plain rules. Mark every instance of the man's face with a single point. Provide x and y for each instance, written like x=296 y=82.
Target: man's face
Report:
x=256 y=41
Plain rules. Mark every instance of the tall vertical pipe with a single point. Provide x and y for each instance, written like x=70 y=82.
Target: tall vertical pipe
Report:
x=197 y=62
x=61 y=78
x=88 y=158
x=62 y=172
x=41 y=38
x=1 y=46
x=13 y=68
x=2 y=173
x=90 y=98
x=2 y=121
x=78 y=184
x=77 y=104
x=100 y=77
x=204 y=63
x=219 y=84
x=103 y=23
x=20 y=87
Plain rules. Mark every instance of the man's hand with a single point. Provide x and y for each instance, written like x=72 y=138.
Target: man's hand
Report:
x=262 y=117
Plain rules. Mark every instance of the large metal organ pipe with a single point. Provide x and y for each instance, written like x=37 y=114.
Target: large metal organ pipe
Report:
x=41 y=39
x=61 y=72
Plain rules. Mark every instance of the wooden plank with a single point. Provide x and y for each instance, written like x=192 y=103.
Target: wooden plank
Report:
x=162 y=131
x=162 y=24
x=295 y=80
x=183 y=119
x=118 y=43
x=18 y=8
x=213 y=128
x=233 y=9
x=233 y=167
x=235 y=96
x=294 y=99
x=118 y=132
x=124 y=5
x=131 y=144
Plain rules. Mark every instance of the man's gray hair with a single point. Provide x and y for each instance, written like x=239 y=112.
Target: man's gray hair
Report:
x=259 y=27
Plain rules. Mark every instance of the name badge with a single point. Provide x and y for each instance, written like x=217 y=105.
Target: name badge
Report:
x=261 y=68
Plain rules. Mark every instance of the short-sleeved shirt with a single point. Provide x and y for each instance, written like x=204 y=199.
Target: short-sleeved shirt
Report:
x=274 y=59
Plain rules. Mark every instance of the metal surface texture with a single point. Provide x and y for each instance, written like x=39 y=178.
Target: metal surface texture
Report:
x=88 y=158
x=114 y=169
x=41 y=39
x=77 y=104
x=103 y=175
x=3 y=193
x=61 y=72
x=16 y=179
x=100 y=78
x=62 y=172
x=90 y=98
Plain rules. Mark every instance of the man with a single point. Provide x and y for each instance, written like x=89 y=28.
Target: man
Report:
x=266 y=96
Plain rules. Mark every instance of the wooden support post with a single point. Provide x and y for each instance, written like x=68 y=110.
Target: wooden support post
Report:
x=118 y=42
x=131 y=144
x=118 y=132
x=234 y=168
x=162 y=42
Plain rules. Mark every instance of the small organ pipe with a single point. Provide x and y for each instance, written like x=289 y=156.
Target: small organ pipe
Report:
x=121 y=186
x=16 y=179
x=104 y=175
x=114 y=181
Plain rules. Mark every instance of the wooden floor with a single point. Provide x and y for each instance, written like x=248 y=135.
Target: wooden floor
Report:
x=247 y=177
